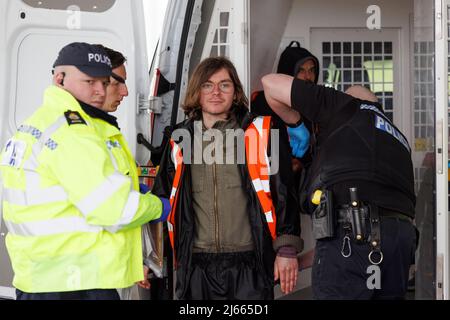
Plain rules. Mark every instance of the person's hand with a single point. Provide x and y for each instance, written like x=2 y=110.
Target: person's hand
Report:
x=165 y=211
x=299 y=140
x=145 y=284
x=143 y=188
x=286 y=269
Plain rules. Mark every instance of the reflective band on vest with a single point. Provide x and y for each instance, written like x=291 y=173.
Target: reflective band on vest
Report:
x=51 y=227
x=256 y=145
x=99 y=195
x=128 y=212
x=177 y=159
x=34 y=194
x=44 y=138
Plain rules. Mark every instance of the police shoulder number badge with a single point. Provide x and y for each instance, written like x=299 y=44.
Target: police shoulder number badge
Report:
x=74 y=117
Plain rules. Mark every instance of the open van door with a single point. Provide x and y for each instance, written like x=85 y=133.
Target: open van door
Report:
x=192 y=30
x=32 y=33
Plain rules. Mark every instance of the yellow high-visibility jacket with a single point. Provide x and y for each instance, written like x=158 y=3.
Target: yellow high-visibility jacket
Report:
x=71 y=201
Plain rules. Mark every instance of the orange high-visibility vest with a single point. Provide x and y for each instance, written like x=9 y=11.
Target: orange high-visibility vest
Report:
x=256 y=145
x=177 y=159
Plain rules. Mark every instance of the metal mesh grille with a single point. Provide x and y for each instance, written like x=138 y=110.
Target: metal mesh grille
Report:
x=369 y=64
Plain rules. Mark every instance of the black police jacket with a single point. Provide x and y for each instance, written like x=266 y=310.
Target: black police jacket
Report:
x=357 y=146
x=284 y=200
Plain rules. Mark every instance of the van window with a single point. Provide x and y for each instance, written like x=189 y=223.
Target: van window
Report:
x=361 y=62
x=220 y=45
x=88 y=6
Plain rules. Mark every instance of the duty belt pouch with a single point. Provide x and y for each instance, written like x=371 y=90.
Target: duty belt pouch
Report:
x=323 y=219
x=375 y=226
x=359 y=221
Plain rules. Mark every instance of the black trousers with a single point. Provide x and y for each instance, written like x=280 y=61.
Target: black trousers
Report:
x=93 y=294
x=226 y=276
x=337 y=277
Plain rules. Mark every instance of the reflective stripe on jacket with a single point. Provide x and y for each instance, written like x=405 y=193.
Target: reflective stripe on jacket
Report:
x=71 y=201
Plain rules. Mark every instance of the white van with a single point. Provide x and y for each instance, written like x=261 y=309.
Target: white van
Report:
x=32 y=33
x=398 y=49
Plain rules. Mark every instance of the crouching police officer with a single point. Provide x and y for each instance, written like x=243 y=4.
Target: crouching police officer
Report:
x=71 y=191
x=359 y=190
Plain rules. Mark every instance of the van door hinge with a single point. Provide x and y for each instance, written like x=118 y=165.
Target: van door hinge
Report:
x=154 y=104
x=439 y=146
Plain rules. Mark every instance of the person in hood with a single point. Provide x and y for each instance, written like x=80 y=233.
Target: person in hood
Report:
x=297 y=62
x=300 y=63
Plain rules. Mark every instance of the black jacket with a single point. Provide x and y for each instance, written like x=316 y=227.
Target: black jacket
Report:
x=357 y=146
x=284 y=199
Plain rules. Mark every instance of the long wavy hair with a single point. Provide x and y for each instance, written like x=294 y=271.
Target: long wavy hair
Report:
x=201 y=74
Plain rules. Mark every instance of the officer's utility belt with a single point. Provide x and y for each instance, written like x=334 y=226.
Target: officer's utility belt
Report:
x=360 y=221
x=356 y=222
x=344 y=214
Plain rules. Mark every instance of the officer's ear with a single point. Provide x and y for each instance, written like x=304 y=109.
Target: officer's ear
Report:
x=59 y=78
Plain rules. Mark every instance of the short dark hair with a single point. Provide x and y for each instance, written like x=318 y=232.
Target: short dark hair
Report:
x=117 y=58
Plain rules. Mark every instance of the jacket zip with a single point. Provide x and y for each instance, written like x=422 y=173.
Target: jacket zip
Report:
x=216 y=213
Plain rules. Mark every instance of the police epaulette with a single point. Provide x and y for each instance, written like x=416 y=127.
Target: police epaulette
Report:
x=74 y=117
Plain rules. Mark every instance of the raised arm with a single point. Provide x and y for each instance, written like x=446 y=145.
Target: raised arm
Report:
x=277 y=89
